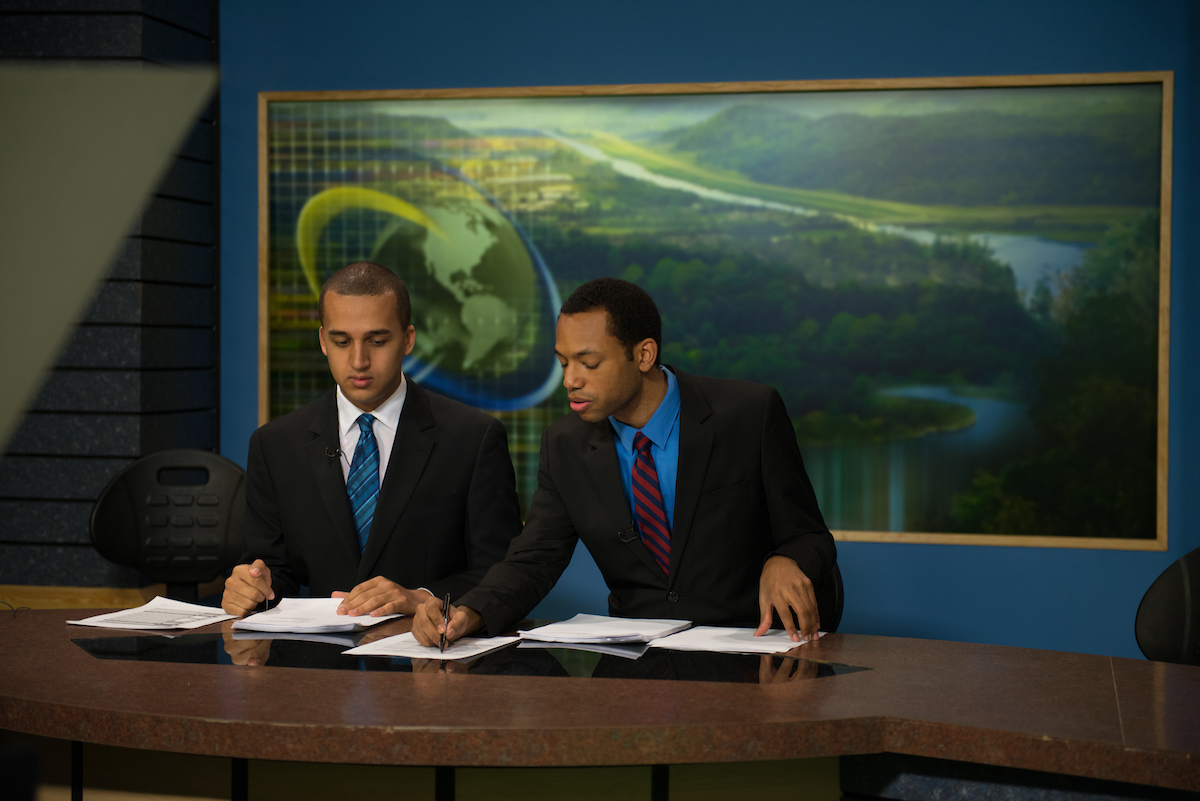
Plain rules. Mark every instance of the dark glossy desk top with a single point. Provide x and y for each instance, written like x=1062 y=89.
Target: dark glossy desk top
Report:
x=1102 y=717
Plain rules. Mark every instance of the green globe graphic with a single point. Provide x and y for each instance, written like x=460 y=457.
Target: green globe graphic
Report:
x=473 y=291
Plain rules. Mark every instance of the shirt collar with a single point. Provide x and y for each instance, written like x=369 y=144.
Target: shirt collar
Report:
x=387 y=413
x=660 y=425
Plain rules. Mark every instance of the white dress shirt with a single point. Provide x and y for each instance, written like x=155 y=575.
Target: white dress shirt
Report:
x=387 y=420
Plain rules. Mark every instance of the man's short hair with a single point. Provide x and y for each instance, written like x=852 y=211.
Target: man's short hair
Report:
x=368 y=278
x=632 y=315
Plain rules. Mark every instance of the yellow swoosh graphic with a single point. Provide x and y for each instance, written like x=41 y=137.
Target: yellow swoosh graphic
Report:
x=324 y=206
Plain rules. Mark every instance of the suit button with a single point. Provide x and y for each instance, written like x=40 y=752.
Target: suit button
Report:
x=673 y=596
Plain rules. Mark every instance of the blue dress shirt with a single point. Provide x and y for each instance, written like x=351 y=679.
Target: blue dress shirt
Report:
x=663 y=430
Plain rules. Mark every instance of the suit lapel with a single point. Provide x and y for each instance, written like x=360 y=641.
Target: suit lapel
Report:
x=327 y=472
x=601 y=459
x=410 y=453
x=695 y=446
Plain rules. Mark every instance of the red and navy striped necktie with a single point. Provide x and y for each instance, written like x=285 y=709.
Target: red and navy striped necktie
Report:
x=648 y=503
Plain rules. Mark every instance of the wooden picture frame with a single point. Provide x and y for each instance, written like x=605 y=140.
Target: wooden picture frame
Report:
x=1161 y=82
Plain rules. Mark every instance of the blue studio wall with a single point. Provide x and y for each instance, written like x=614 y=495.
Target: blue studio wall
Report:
x=1065 y=599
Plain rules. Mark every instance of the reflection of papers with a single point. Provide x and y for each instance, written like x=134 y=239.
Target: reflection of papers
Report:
x=625 y=651
x=160 y=613
x=311 y=615
x=407 y=645
x=601 y=629
x=346 y=640
x=728 y=641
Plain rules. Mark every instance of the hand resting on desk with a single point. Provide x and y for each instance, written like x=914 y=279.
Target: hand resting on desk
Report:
x=247 y=587
x=784 y=588
x=380 y=596
x=428 y=627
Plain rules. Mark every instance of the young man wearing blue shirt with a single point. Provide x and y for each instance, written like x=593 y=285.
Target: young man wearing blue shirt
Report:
x=689 y=492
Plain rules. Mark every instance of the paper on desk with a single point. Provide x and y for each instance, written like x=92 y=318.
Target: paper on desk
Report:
x=602 y=629
x=160 y=613
x=407 y=645
x=307 y=615
x=724 y=640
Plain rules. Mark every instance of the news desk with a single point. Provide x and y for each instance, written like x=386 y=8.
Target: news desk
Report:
x=1064 y=713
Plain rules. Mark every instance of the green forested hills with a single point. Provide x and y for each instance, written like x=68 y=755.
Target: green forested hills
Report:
x=967 y=158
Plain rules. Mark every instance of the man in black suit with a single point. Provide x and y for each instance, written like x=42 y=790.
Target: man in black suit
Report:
x=379 y=491
x=689 y=492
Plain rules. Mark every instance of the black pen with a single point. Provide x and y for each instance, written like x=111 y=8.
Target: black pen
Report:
x=445 y=620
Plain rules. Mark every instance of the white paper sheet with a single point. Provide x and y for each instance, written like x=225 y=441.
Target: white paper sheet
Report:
x=311 y=615
x=407 y=645
x=159 y=614
x=602 y=629
x=722 y=640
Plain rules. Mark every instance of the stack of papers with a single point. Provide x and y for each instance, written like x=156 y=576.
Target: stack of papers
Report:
x=729 y=641
x=598 y=629
x=158 y=615
x=407 y=645
x=307 y=615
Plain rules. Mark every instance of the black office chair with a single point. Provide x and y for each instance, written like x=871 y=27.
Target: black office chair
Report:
x=1167 y=625
x=174 y=515
x=838 y=601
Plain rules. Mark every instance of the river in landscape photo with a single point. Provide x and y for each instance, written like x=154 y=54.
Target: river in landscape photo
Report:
x=909 y=484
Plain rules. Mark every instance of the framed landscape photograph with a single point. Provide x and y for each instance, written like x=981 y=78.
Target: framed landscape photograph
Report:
x=960 y=286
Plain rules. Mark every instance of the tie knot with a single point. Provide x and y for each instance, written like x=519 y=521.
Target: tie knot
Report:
x=364 y=423
x=641 y=443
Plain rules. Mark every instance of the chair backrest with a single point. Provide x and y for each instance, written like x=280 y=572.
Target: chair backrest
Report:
x=1167 y=626
x=839 y=600
x=174 y=515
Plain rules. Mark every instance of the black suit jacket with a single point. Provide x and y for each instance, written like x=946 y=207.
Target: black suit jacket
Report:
x=741 y=495
x=447 y=506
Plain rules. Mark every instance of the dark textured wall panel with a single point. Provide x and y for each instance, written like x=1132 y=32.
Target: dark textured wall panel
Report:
x=100 y=36
x=90 y=390
x=71 y=434
x=189 y=180
x=65 y=434
x=180 y=430
x=155 y=260
x=199 y=142
x=194 y=15
x=71 y=36
x=46 y=522
x=129 y=303
x=179 y=220
x=177 y=305
x=138 y=375
x=128 y=347
x=71 y=565
x=56 y=477
x=126 y=391
x=177 y=390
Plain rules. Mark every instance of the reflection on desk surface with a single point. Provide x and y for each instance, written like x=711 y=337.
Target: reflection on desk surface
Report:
x=659 y=664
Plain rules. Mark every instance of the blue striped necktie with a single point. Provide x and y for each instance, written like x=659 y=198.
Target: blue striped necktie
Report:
x=362 y=485
x=648 y=503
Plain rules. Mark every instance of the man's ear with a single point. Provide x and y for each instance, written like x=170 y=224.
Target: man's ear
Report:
x=321 y=339
x=647 y=353
x=410 y=340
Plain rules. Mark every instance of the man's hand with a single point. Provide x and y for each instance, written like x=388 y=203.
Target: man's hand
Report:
x=784 y=588
x=247 y=587
x=380 y=596
x=428 y=626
